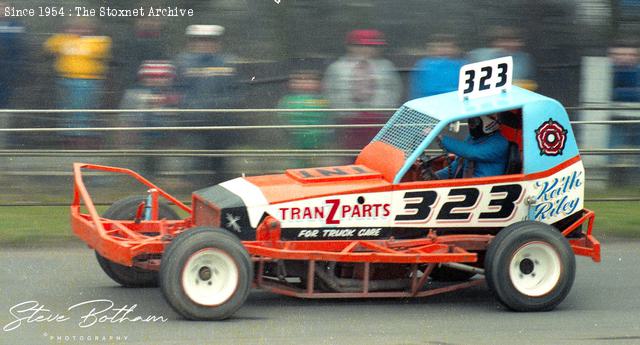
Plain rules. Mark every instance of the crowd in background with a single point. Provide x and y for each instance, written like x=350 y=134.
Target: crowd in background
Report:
x=203 y=76
x=625 y=57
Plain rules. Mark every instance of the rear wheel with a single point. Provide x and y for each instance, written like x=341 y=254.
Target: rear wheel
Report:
x=126 y=209
x=530 y=266
x=206 y=274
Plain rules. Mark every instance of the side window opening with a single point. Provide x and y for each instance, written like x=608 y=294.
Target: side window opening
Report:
x=435 y=165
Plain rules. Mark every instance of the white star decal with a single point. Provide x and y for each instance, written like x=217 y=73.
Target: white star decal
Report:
x=232 y=222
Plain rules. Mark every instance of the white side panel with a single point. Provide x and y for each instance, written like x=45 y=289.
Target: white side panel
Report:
x=493 y=205
x=250 y=194
x=559 y=195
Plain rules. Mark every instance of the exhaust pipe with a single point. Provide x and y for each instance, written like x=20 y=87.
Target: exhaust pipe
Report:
x=463 y=267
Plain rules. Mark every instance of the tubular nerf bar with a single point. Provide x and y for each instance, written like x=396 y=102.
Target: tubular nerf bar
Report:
x=587 y=245
x=121 y=241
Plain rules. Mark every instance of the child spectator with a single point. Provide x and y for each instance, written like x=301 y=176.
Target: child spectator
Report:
x=155 y=90
x=147 y=41
x=304 y=93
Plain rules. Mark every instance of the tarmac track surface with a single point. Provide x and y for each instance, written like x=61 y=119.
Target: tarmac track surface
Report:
x=602 y=308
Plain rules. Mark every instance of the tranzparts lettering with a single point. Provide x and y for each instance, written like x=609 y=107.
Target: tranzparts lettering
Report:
x=333 y=211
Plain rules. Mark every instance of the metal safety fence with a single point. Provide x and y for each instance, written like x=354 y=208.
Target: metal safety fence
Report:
x=272 y=153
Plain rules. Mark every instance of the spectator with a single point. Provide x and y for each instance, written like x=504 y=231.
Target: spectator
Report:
x=625 y=58
x=147 y=43
x=11 y=55
x=205 y=78
x=438 y=72
x=363 y=79
x=507 y=41
x=304 y=93
x=155 y=90
x=206 y=81
x=81 y=64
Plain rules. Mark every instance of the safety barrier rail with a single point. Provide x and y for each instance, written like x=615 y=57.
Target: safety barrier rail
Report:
x=238 y=153
x=249 y=152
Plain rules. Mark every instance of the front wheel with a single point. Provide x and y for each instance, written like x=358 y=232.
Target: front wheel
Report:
x=206 y=274
x=530 y=266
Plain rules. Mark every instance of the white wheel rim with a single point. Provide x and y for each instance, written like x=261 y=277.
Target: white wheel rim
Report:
x=535 y=269
x=210 y=277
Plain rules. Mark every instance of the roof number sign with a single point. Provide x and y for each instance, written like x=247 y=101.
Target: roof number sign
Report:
x=485 y=78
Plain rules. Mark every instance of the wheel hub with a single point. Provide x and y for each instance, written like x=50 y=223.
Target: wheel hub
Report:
x=526 y=266
x=204 y=273
x=535 y=269
x=210 y=277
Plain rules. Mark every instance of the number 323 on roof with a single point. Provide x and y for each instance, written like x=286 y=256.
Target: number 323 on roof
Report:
x=485 y=78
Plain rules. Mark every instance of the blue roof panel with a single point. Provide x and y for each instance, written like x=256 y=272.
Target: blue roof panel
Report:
x=448 y=107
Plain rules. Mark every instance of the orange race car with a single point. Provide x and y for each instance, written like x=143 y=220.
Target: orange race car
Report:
x=393 y=224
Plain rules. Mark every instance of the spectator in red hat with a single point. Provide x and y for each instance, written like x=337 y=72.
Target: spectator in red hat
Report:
x=362 y=79
x=155 y=90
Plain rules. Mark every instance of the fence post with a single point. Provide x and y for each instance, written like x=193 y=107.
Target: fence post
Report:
x=596 y=84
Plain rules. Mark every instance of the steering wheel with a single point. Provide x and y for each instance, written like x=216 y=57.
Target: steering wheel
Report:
x=426 y=165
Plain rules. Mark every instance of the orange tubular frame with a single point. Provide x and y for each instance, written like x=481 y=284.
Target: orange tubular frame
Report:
x=121 y=241
x=587 y=245
x=130 y=243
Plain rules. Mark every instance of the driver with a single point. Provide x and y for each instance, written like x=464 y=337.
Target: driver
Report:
x=483 y=153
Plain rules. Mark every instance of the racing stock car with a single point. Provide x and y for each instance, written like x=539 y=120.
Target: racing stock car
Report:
x=388 y=225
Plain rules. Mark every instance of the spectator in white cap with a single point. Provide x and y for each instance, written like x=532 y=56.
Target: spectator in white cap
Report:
x=207 y=81
x=204 y=76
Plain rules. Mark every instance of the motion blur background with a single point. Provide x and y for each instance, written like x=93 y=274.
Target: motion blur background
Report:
x=572 y=45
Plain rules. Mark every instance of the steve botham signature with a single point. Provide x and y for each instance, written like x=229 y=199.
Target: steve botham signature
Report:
x=93 y=312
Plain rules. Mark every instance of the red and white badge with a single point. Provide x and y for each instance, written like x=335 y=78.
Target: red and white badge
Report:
x=551 y=137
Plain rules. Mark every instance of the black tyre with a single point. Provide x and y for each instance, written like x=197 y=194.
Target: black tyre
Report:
x=447 y=274
x=206 y=274
x=125 y=209
x=530 y=266
x=127 y=276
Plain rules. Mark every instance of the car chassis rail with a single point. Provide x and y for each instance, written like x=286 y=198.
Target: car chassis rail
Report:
x=141 y=243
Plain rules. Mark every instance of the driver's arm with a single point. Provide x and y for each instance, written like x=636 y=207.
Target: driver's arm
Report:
x=483 y=152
